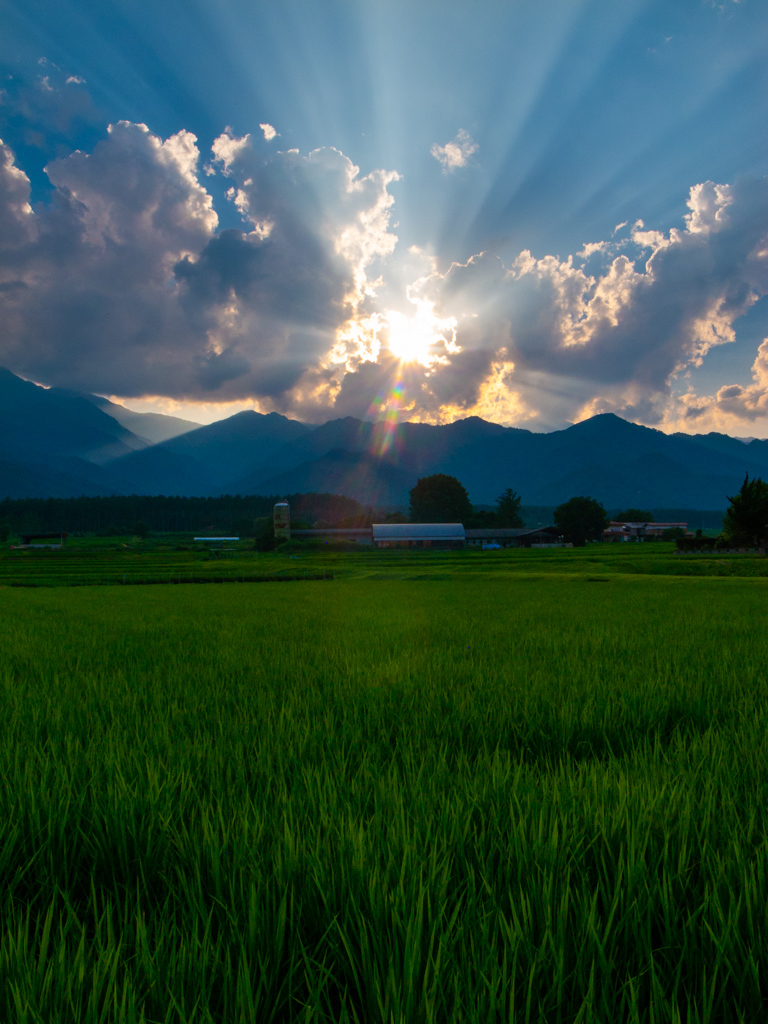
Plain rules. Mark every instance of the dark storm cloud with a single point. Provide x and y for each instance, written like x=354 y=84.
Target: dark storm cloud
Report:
x=292 y=278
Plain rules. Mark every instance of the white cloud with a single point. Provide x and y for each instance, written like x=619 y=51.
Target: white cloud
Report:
x=456 y=153
x=730 y=408
x=591 y=248
x=16 y=222
x=322 y=193
x=125 y=284
x=136 y=189
x=227 y=147
x=616 y=339
x=708 y=204
x=269 y=131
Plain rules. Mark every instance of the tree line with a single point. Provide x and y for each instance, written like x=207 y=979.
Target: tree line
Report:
x=442 y=498
x=438 y=498
x=745 y=524
x=122 y=514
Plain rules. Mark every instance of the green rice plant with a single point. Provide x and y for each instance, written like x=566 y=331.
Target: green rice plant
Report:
x=521 y=799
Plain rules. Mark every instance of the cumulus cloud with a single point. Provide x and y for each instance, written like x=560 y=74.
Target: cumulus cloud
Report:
x=124 y=284
x=613 y=340
x=456 y=153
x=95 y=305
x=751 y=402
x=268 y=131
x=730 y=408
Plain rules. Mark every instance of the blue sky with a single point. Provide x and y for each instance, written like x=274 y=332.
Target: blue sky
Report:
x=498 y=138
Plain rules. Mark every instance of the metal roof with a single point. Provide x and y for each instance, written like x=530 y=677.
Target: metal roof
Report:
x=356 y=531
x=418 y=531
x=27 y=537
x=654 y=526
x=505 y=532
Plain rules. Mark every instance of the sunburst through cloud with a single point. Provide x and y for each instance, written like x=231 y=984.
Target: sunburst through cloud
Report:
x=537 y=267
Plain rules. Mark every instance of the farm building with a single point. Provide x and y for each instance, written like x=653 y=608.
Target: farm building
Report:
x=418 y=535
x=361 y=535
x=639 y=531
x=543 y=536
x=55 y=540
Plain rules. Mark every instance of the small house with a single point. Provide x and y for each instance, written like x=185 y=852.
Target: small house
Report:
x=639 y=531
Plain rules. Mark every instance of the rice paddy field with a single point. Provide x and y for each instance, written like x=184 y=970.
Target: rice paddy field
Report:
x=172 y=559
x=453 y=788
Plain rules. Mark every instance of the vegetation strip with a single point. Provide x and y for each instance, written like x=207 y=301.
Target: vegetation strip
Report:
x=505 y=801
x=175 y=581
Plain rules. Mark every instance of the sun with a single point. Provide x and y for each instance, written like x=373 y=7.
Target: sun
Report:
x=423 y=338
x=410 y=341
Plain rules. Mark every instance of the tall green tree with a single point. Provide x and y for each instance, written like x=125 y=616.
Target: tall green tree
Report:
x=439 y=499
x=746 y=521
x=581 y=519
x=508 y=509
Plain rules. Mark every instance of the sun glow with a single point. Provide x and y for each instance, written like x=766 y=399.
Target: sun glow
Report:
x=423 y=338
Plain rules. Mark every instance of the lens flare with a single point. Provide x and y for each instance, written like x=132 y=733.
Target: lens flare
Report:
x=385 y=411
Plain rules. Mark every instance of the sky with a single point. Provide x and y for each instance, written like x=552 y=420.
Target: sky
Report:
x=403 y=209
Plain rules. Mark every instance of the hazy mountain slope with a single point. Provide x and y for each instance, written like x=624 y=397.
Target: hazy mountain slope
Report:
x=209 y=457
x=53 y=421
x=72 y=437
x=153 y=427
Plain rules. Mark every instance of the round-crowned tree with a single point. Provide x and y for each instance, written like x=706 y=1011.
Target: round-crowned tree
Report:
x=580 y=520
x=439 y=499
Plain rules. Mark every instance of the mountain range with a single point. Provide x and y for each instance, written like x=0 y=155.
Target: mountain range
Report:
x=60 y=443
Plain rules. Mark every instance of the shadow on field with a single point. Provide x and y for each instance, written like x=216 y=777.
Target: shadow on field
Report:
x=388 y=721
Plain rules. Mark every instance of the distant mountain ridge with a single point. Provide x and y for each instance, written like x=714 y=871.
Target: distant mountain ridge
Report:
x=55 y=442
